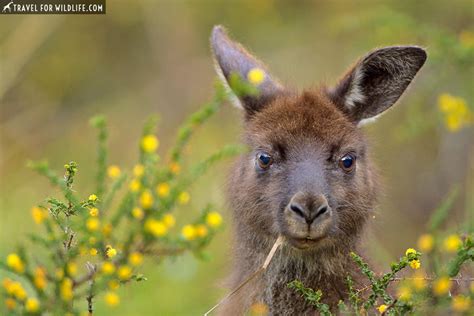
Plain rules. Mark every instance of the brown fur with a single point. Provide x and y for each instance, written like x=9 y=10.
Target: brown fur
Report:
x=306 y=135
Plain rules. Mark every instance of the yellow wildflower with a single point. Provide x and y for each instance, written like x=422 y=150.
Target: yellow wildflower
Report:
x=169 y=220
x=441 y=286
x=40 y=278
x=163 y=190
x=135 y=185
x=39 y=214
x=94 y=212
x=15 y=263
x=256 y=76
x=461 y=303
x=382 y=308
x=183 y=198
x=138 y=170
x=110 y=251
x=137 y=213
x=156 y=228
x=107 y=229
x=66 y=289
x=146 y=199
x=410 y=251
x=93 y=251
x=71 y=269
x=124 y=272
x=113 y=284
x=259 y=309
x=10 y=303
x=455 y=110
x=93 y=198
x=415 y=264
x=6 y=283
x=93 y=224
x=404 y=293
x=32 y=305
x=201 y=230
x=113 y=171
x=18 y=291
x=213 y=219
x=175 y=168
x=189 y=232
x=108 y=268
x=452 y=243
x=111 y=299
x=426 y=242
x=150 y=143
x=135 y=259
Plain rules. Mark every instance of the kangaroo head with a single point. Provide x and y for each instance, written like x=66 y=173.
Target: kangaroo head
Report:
x=308 y=175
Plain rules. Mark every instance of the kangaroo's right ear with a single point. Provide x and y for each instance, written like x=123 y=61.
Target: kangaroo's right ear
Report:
x=232 y=58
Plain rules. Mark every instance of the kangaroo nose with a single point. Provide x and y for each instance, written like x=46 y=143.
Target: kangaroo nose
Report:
x=308 y=207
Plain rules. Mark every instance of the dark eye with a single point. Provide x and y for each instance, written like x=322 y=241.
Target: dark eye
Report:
x=347 y=162
x=264 y=160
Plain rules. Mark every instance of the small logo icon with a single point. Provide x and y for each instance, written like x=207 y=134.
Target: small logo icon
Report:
x=7 y=7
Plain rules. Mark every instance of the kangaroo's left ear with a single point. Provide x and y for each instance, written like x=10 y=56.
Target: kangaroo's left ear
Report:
x=377 y=81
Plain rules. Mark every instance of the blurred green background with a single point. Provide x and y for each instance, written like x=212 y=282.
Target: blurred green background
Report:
x=146 y=57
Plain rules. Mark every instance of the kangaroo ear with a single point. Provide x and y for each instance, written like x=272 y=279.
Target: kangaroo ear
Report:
x=232 y=58
x=377 y=81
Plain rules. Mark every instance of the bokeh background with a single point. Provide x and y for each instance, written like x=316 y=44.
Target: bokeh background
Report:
x=146 y=57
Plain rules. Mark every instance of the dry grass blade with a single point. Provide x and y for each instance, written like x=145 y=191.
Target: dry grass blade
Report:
x=267 y=261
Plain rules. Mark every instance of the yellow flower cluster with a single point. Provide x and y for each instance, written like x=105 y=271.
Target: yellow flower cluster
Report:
x=135 y=259
x=413 y=261
x=146 y=199
x=15 y=263
x=39 y=279
x=382 y=308
x=113 y=172
x=14 y=289
x=191 y=232
x=163 y=190
x=426 y=243
x=110 y=251
x=39 y=214
x=456 y=112
x=65 y=289
x=124 y=272
x=138 y=213
x=441 y=286
x=461 y=303
x=108 y=268
x=94 y=212
x=111 y=299
x=155 y=227
x=256 y=76
x=150 y=143
x=452 y=243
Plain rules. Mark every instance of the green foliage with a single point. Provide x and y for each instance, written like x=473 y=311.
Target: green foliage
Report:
x=311 y=296
x=96 y=242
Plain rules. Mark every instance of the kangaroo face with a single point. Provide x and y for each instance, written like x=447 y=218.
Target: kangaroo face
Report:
x=307 y=175
x=309 y=171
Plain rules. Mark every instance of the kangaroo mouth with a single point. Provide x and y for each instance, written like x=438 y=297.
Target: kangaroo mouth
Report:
x=304 y=243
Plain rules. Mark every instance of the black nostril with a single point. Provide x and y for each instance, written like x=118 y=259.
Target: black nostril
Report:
x=323 y=209
x=297 y=209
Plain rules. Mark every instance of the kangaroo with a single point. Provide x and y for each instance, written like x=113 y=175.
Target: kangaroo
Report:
x=308 y=175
